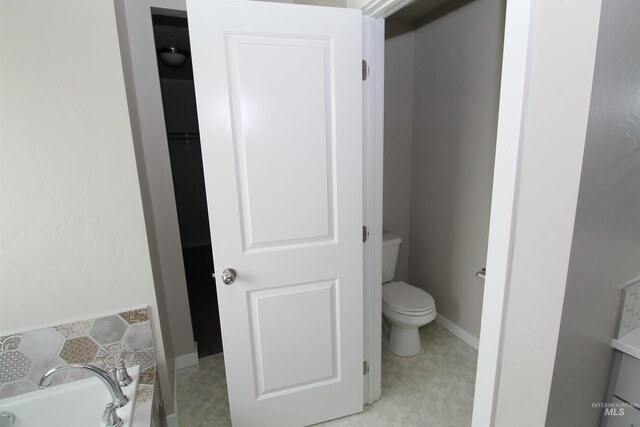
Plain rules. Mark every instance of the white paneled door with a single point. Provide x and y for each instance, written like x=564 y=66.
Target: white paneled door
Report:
x=278 y=89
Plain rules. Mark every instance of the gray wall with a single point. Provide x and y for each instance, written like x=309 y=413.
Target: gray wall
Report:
x=456 y=88
x=398 y=130
x=606 y=241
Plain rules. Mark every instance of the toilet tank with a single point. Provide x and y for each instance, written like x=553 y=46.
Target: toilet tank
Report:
x=390 y=248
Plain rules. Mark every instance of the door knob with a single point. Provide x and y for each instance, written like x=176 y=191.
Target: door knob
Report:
x=228 y=276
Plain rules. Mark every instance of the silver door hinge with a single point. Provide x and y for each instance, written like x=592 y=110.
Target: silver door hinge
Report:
x=365 y=234
x=365 y=70
x=365 y=367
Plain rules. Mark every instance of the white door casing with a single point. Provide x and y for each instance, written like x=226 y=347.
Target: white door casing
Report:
x=279 y=96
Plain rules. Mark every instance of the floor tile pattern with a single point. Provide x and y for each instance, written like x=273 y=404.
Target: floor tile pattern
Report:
x=202 y=394
x=434 y=388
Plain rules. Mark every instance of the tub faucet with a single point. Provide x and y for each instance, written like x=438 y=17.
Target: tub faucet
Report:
x=119 y=398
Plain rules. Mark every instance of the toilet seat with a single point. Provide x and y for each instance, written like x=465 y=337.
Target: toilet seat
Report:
x=406 y=299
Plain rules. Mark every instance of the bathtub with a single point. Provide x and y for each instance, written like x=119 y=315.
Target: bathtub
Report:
x=76 y=404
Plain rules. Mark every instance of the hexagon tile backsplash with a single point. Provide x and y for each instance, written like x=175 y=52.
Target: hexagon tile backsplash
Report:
x=630 y=318
x=26 y=356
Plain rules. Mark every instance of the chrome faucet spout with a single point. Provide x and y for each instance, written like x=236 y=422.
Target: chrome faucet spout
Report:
x=119 y=398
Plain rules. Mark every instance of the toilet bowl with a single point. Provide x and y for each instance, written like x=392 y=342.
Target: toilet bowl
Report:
x=405 y=308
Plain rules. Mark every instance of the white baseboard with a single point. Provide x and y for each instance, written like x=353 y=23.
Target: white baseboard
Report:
x=172 y=420
x=457 y=331
x=181 y=362
x=186 y=360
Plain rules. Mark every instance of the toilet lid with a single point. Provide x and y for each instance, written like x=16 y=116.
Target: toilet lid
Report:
x=404 y=297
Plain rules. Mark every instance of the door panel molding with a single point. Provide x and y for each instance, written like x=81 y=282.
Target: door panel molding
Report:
x=280 y=114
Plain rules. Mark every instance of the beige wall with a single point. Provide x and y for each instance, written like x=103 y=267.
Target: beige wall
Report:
x=398 y=129
x=455 y=110
x=73 y=242
x=560 y=72
x=606 y=237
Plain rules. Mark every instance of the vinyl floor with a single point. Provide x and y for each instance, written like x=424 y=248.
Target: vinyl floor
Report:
x=434 y=388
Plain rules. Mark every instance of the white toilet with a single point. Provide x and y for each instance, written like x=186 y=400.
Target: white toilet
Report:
x=404 y=307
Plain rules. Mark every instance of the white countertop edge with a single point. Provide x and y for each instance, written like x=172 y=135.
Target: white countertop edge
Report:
x=142 y=415
x=629 y=343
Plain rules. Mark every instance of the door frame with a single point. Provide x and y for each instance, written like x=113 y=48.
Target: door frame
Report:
x=144 y=98
x=384 y=8
x=514 y=81
x=373 y=158
x=505 y=190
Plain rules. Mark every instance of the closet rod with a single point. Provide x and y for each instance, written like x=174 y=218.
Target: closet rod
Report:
x=183 y=135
